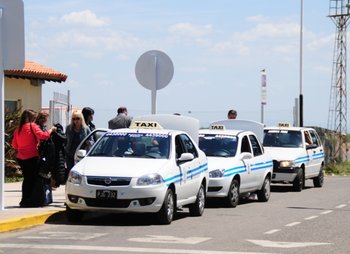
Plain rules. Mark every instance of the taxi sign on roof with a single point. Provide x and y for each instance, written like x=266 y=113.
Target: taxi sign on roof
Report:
x=145 y=125
x=217 y=127
x=283 y=124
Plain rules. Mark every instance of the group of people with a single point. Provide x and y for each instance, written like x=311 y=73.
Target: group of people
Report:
x=32 y=131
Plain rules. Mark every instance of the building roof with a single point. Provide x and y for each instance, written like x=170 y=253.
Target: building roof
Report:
x=34 y=70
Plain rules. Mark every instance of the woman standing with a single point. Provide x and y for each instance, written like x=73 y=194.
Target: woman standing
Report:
x=25 y=142
x=88 y=114
x=42 y=119
x=76 y=131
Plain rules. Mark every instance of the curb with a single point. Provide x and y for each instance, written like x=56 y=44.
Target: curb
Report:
x=27 y=221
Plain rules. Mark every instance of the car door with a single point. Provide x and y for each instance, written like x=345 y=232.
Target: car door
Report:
x=247 y=177
x=190 y=179
x=316 y=154
x=96 y=134
x=258 y=167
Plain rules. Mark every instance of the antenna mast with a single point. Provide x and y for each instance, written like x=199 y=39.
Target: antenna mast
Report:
x=337 y=114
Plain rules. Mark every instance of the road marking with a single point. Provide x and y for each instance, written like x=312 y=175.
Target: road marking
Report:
x=311 y=217
x=118 y=249
x=340 y=206
x=169 y=239
x=327 y=212
x=272 y=231
x=293 y=224
x=65 y=236
x=271 y=244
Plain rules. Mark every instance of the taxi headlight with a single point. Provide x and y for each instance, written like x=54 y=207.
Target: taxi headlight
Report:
x=74 y=177
x=286 y=164
x=216 y=173
x=151 y=179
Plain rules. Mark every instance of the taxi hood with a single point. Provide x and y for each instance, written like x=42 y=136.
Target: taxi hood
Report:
x=121 y=167
x=280 y=153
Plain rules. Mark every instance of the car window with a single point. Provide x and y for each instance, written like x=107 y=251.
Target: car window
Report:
x=245 y=146
x=314 y=137
x=282 y=138
x=136 y=145
x=218 y=145
x=188 y=145
x=255 y=145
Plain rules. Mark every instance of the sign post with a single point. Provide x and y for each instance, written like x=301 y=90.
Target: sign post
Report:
x=263 y=93
x=11 y=57
x=154 y=70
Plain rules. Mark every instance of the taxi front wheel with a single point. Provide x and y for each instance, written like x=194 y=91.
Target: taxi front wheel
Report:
x=299 y=181
x=166 y=213
x=73 y=215
x=265 y=191
x=232 y=198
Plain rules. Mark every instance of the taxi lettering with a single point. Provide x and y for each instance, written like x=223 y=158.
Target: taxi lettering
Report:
x=217 y=127
x=146 y=125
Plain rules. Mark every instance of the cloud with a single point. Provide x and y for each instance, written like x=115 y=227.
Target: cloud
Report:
x=190 y=30
x=278 y=36
x=86 y=17
x=108 y=41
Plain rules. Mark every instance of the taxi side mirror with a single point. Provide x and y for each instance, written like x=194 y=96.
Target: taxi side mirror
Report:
x=245 y=156
x=186 y=157
x=81 y=153
x=312 y=146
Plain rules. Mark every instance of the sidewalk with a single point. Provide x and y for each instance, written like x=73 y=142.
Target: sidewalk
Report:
x=13 y=217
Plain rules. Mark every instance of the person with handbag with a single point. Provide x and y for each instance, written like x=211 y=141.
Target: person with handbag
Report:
x=25 y=142
x=76 y=131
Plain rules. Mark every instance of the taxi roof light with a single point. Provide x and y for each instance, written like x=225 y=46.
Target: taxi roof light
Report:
x=217 y=127
x=286 y=125
x=145 y=125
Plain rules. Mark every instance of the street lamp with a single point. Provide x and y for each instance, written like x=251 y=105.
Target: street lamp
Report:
x=301 y=67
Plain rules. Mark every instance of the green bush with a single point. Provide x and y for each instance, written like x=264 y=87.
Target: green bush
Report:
x=12 y=169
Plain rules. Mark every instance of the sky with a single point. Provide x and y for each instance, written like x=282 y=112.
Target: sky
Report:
x=218 y=49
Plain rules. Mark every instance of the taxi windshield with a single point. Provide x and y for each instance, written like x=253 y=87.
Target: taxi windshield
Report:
x=282 y=138
x=135 y=145
x=218 y=145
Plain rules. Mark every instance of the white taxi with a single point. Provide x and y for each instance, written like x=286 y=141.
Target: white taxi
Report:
x=237 y=162
x=143 y=169
x=297 y=154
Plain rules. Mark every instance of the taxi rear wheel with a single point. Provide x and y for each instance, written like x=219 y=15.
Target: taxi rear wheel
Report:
x=232 y=198
x=264 y=192
x=197 y=208
x=166 y=213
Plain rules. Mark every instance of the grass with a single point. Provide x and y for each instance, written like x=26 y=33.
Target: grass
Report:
x=13 y=179
x=342 y=169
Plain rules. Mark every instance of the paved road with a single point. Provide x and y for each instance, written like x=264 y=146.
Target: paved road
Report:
x=317 y=220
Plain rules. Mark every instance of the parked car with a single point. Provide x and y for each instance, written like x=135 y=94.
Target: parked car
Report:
x=237 y=162
x=141 y=169
x=297 y=154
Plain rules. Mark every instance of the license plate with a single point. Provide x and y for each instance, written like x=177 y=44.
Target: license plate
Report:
x=106 y=194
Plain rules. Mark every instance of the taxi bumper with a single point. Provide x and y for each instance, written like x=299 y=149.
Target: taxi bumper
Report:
x=127 y=199
x=219 y=187
x=281 y=175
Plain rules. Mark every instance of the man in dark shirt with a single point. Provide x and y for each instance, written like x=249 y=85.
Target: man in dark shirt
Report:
x=122 y=120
